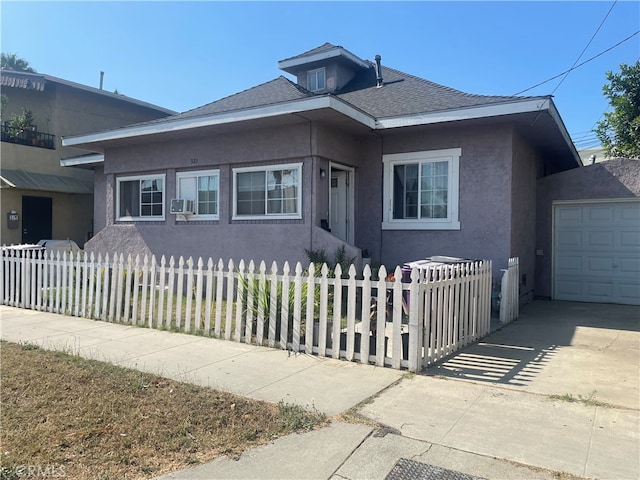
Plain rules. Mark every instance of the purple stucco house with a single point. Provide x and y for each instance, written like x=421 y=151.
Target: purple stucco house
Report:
x=352 y=153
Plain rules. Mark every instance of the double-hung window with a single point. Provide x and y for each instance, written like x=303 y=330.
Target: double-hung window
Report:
x=267 y=192
x=421 y=190
x=203 y=187
x=140 y=197
x=316 y=80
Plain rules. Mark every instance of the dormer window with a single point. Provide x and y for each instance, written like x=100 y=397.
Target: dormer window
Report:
x=316 y=80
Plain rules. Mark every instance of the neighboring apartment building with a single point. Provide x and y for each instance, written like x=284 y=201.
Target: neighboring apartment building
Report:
x=39 y=198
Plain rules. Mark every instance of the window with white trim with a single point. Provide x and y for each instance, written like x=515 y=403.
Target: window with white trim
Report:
x=421 y=190
x=272 y=191
x=140 y=197
x=316 y=80
x=203 y=187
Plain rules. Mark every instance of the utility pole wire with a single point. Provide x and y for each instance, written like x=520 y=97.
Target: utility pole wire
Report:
x=585 y=48
x=575 y=67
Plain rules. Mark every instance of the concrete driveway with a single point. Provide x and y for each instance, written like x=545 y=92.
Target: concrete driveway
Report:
x=556 y=389
x=586 y=350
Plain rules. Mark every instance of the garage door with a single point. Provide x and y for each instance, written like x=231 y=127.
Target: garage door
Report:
x=597 y=252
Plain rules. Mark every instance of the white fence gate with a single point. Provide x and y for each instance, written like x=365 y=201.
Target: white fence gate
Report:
x=371 y=320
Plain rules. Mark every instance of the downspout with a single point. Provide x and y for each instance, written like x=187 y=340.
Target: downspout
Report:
x=313 y=182
x=381 y=191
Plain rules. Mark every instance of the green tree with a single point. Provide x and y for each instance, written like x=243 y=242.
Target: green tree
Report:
x=10 y=61
x=619 y=131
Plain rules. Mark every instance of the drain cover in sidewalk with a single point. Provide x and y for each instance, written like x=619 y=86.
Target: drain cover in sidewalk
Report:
x=405 y=469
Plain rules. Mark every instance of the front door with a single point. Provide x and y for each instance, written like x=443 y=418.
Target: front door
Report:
x=341 y=204
x=36 y=219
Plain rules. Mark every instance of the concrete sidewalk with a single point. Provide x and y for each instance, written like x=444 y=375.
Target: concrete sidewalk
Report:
x=331 y=386
x=483 y=429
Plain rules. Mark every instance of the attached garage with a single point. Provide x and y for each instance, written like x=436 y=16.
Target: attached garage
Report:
x=596 y=251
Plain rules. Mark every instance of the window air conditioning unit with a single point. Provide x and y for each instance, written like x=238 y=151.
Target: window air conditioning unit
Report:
x=181 y=206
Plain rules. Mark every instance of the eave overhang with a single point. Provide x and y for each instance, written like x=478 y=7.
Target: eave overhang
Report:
x=292 y=65
x=298 y=106
x=82 y=160
x=538 y=106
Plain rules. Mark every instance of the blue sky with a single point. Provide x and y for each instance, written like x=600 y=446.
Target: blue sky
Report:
x=181 y=55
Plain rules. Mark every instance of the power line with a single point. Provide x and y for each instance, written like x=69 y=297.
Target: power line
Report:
x=588 y=134
x=575 y=67
x=585 y=48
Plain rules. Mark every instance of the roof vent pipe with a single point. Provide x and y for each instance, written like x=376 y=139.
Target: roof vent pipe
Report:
x=378 y=71
x=101 y=79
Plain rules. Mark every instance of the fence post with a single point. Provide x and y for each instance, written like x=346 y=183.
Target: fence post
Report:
x=189 y=296
x=310 y=315
x=337 y=312
x=396 y=319
x=219 y=285
x=105 y=288
x=168 y=321
x=239 y=301
x=504 y=296
x=415 y=321
x=351 y=314
x=381 y=303
x=509 y=301
x=273 y=304
x=365 y=329
x=198 y=292
x=208 y=297
x=262 y=303
x=297 y=307
x=251 y=299
x=324 y=300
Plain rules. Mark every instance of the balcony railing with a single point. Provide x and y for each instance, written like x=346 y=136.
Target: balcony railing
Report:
x=33 y=138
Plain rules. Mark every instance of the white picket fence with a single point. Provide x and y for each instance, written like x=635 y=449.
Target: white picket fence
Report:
x=382 y=321
x=510 y=291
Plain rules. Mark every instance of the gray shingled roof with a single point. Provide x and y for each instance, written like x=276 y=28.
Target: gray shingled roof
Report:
x=404 y=94
x=273 y=92
x=401 y=94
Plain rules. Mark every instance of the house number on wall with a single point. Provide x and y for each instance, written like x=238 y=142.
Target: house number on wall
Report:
x=194 y=161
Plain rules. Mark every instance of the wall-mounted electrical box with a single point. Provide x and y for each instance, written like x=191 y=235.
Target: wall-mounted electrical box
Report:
x=181 y=206
x=12 y=219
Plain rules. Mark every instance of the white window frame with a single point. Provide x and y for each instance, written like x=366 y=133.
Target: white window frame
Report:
x=268 y=216
x=314 y=73
x=196 y=174
x=452 y=157
x=155 y=218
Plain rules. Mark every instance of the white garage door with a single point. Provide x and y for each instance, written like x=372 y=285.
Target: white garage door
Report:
x=597 y=252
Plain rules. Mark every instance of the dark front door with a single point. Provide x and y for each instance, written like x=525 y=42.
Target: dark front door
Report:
x=36 y=219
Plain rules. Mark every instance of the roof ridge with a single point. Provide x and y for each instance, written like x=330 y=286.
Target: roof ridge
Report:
x=324 y=46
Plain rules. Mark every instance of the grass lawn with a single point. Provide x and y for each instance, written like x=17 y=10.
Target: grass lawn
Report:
x=83 y=419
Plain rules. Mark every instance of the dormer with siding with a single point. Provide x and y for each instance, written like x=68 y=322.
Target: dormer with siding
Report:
x=325 y=69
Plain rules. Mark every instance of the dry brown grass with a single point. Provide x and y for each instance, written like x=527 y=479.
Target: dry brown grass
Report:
x=91 y=420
